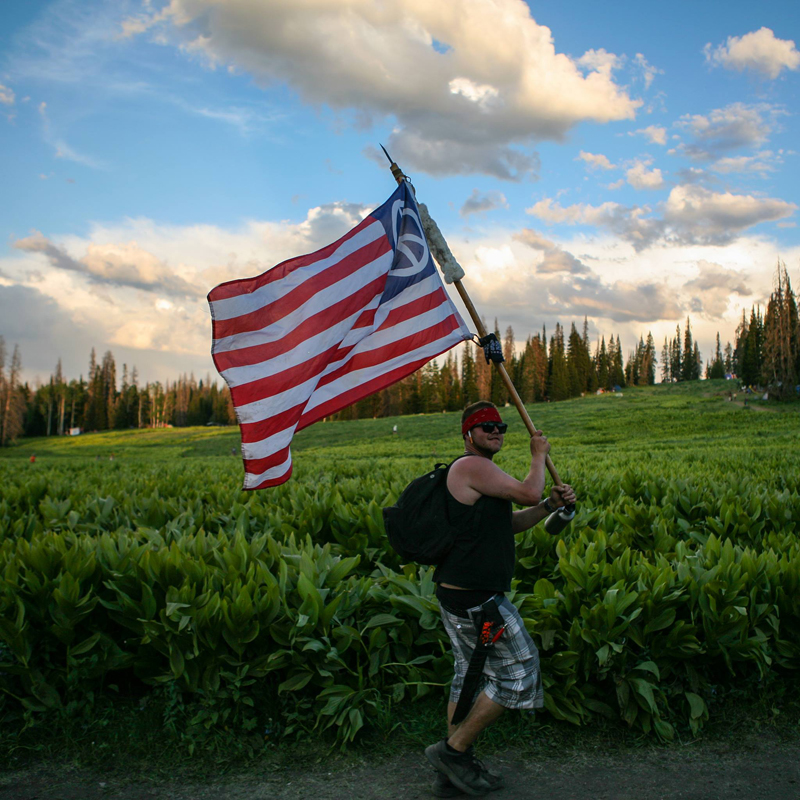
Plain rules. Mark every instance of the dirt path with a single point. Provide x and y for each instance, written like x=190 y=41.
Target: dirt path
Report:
x=758 y=769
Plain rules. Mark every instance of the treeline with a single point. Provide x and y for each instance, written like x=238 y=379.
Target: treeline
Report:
x=102 y=402
x=564 y=367
x=768 y=344
x=766 y=353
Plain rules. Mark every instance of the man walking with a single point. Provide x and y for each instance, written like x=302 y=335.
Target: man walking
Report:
x=490 y=643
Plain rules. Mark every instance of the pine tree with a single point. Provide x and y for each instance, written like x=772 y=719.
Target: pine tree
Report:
x=576 y=373
x=558 y=380
x=666 y=372
x=752 y=350
x=687 y=360
x=616 y=368
x=697 y=363
x=781 y=342
x=729 y=370
x=12 y=401
x=716 y=367
x=469 y=378
x=676 y=361
x=603 y=372
x=650 y=360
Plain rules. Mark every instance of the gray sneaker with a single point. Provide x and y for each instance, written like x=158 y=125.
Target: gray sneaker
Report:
x=444 y=787
x=463 y=769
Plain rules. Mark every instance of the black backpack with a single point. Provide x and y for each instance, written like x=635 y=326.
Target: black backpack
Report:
x=418 y=525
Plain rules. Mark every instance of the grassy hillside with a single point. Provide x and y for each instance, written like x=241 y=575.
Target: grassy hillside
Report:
x=693 y=421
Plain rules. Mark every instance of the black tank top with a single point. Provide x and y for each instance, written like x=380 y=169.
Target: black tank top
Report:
x=483 y=554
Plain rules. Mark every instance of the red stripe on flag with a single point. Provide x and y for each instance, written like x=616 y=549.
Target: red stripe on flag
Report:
x=256 y=431
x=288 y=379
x=363 y=390
x=275 y=481
x=291 y=301
x=414 y=308
x=255 y=466
x=312 y=326
x=379 y=355
x=246 y=286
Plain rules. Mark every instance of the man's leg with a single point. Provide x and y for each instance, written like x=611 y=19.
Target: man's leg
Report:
x=482 y=714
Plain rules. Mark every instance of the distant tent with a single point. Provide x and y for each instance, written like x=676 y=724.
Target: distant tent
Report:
x=617 y=388
x=74 y=431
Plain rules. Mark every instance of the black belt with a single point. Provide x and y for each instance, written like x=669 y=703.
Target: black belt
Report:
x=490 y=625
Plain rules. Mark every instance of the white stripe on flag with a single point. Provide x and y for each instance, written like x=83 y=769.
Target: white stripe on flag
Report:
x=305 y=351
x=281 y=402
x=276 y=404
x=314 y=305
x=251 y=480
x=246 y=303
x=352 y=379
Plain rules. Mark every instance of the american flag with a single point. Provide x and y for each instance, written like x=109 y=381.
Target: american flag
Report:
x=319 y=332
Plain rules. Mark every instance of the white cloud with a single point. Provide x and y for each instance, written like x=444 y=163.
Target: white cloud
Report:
x=735 y=126
x=7 y=96
x=475 y=102
x=600 y=61
x=691 y=215
x=533 y=239
x=761 y=163
x=62 y=149
x=479 y=202
x=641 y=178
x=760 y=51
x=123 y=265
x=523 y=277
x=616 y=185
x=711 y=291
x=630 y=223
x=700 y=215
x=655 y=133
x=481 y=95
x=554 y=258
x=649 y=72
x=139 y=287
x=595 y=160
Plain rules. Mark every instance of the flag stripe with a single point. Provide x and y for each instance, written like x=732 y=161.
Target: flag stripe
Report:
x=263 y=436
x=327 y=361
x=319 y=332
x=292 y=337
x=345 y=382
x=295 y=298
x=367 y=275
x=241 y=288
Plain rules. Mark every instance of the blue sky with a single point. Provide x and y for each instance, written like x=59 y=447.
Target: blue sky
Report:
x=613 y=161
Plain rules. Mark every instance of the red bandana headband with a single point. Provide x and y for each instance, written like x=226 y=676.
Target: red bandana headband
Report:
x=483 y=415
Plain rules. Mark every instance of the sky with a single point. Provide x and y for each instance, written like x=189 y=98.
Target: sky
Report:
x=629 y=163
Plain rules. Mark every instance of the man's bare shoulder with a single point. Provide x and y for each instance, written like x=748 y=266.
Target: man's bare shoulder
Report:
x=473 y=466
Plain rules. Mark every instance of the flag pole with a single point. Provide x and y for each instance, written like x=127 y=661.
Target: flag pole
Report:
x=444 y=254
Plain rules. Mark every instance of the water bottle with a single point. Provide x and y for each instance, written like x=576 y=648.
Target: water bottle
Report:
x=559 y=520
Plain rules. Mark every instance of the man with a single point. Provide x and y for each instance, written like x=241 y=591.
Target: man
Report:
x=470 y=586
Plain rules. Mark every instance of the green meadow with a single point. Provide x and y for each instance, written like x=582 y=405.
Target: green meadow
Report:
x=150 y=580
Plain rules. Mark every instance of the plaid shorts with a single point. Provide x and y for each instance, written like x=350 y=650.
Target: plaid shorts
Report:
x=511 y=675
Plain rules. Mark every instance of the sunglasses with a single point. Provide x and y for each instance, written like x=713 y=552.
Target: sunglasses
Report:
x=488 y=427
